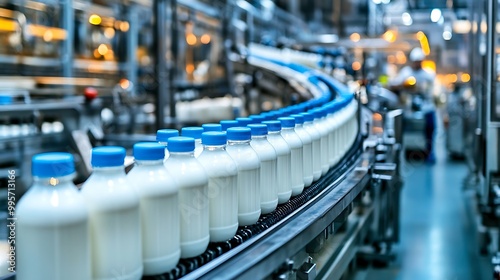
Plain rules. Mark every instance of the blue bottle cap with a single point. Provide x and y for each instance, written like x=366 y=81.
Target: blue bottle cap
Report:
x=256 y=119
x=162 y=135
x=258 y=129
x=308 y=117
x=244 y=121
x=215 y=138
x=192 y=131
x=149 y=151
x=225 y=124
x=278 y=114
x=5 y=99
x=301 y=108
x=267 y=116
x=239 y=133
x=108 y=156
x=315 y=112
x=180 y=144
x=211 y=127
x=323 y=111
x=52 y=165
x=299 y=119
x=273 y=125
x=287 y=122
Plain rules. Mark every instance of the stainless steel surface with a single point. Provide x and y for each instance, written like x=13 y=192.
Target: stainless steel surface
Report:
x=348 y=246
x=258 y=257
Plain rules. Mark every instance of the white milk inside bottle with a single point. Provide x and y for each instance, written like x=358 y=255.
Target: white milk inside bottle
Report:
x=195 y=133
x=222 y=186
x=162 y=136
x=306 y=139
x=268 y=168
x=52 y=217
x=342 y=127
x=211 y=127
x=329 y=127
x=316 y=144
x=333 y=119
x=114 y=217
x=159 y=208
x=322 y=129
x=353 y=126
x=193 y=196
x=247 y=160
x=296 y=156
x=283 y=153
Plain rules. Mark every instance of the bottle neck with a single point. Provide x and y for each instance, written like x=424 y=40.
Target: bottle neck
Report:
x=287 y=128
x=274 y=132
x=213 y=148
x=54 y=181
x=259 y=137
x=182 y=154
x=298 y=125
x=238 y=142
x=149 y=162
x=109 y=170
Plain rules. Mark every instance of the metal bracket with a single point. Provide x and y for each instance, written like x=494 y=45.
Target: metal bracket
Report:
x=384 y=171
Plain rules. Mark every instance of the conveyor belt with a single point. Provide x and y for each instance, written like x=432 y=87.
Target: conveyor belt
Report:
x=251 y=233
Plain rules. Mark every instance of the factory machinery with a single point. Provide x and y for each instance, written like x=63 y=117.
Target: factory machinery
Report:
x=348 y=218
x=348 y=215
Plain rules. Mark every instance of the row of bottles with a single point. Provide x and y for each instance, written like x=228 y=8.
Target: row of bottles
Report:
x=184 y=192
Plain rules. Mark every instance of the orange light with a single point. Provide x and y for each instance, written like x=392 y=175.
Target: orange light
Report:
x=377 y=117
x=465 y=77
x=48 y=36
x=191 y=39
x=102 y=49
x=390 y=36
x=95 y=19
x=8 y=25
x=109 y=32
x=355 y=37
x=356 y=66
x=453 y=78
x=400 y=57
x=411 y=81
x=110 y=55
x=424 y=43
x=124 y=83
x=47 y=33
x=205 y=39
x=429 y=65
x=97 y=54
x=190 y=68
x=124 y=26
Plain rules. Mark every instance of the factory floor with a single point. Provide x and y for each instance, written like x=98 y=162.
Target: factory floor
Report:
x=438 y=231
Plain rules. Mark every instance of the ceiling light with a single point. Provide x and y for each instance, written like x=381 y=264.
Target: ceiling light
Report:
x=355 y=37
x=462 y=26
x=447 y=35
x=95 y=19
x=435 y=15
x=407 y=20
x=377 y=1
